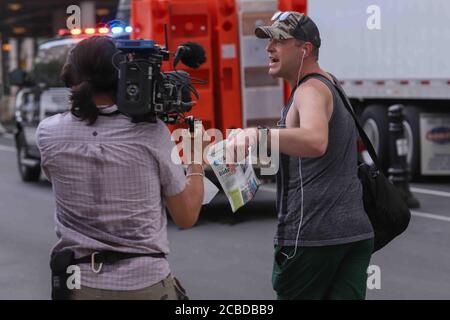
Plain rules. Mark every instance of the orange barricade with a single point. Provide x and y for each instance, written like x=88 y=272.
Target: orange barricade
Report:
x=262 y=95
x=226 y=63
x=187 y=20
x=291 y=5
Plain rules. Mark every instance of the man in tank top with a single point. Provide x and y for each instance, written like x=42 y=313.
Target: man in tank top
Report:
x=324 y=239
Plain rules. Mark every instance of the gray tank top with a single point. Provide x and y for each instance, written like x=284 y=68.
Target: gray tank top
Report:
x=333 y=211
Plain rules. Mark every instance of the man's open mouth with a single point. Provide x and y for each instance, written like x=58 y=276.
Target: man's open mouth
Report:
x=273 y=60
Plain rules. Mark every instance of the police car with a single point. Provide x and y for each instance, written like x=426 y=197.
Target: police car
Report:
x=47 y=94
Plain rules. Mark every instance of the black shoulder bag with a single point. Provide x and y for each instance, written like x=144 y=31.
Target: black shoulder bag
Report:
x=383 y=202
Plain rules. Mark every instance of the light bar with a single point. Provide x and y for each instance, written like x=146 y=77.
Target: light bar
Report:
x=91 y=31
x=75 y=32
x=63 y=32
x=116 y=29
x=103 y=30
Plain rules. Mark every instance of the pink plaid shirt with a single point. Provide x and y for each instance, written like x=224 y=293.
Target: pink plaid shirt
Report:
x=109 y=182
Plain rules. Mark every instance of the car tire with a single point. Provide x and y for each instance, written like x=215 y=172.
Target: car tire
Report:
x=27 y=173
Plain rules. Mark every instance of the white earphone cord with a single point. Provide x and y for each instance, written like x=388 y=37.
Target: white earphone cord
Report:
x=300 y=172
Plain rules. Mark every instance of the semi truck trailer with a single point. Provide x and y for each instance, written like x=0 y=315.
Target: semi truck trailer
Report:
x=388 y=52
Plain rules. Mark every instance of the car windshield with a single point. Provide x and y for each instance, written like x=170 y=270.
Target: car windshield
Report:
x=50 y=58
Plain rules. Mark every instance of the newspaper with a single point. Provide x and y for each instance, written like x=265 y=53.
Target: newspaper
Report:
x=238 y=180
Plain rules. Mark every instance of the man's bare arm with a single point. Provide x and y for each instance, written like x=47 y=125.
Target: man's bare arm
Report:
x=312 y=102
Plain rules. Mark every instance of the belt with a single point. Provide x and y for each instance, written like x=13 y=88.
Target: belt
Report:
x=111 y=257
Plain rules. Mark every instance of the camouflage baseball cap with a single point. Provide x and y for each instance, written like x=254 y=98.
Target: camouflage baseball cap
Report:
x=288 y=25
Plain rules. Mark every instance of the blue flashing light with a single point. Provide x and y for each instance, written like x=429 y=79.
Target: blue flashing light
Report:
x=128 y=29
x=116 y=29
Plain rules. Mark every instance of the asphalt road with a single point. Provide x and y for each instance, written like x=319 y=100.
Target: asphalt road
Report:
x=226 y=255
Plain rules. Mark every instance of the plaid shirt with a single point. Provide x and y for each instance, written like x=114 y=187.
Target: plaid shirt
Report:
x=109 y=180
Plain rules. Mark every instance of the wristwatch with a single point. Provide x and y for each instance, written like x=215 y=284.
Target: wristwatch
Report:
x=263 y=134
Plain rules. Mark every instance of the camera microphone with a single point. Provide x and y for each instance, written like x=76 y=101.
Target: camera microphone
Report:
x=191 y=54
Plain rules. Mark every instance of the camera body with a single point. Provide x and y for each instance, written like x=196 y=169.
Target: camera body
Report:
x=145 y=93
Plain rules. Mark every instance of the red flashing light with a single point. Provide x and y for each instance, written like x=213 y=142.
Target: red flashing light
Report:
x=63 y=32
x=103 y=30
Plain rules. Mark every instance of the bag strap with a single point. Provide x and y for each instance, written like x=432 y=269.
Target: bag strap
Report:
x=350 y=109
x=291 y=96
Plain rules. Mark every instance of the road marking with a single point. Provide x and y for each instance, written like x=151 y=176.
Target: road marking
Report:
x=6 y=148
x=414 y=213
x=432 y=192
x=430 y=216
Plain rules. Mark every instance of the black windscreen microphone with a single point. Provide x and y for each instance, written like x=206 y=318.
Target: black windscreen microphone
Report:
x=191 y=54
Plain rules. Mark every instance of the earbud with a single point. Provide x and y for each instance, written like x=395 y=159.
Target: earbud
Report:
x=304 y=53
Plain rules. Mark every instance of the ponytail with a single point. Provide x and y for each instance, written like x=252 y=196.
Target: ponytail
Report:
x=83 y=105
x=89 y=70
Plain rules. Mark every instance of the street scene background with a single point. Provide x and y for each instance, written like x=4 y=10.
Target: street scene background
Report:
x=225 y=255
x=385 y=53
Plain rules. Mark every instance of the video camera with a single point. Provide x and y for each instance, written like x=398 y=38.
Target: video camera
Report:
x=144 y=92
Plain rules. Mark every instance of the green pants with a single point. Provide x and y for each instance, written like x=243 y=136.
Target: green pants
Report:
x=336 y=272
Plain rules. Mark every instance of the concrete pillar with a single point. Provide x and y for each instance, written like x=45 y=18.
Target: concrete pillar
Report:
x=13 y=54
x=2 y=83
x=27 y=53
x=2 y=88
x=87 y=14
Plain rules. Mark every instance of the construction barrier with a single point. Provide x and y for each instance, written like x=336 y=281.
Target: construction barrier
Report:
x=186 y=20
x=291 y=5
x=262 y=95
x=226 y=62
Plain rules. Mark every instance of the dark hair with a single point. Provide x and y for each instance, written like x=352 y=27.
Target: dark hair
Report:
x=88 y=70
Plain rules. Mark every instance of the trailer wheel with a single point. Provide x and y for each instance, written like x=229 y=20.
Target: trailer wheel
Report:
x=375 y=123
x=412 y=135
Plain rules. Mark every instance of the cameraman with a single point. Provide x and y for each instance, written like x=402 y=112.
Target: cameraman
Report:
x=112 y=180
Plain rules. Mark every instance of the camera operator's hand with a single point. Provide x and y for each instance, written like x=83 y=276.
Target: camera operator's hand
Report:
x=185 y=207
x=194 y=147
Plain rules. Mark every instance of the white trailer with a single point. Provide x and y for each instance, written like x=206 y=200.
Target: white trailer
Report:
x=386 y=52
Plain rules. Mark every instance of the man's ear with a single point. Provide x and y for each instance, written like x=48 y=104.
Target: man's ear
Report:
x=308 y=49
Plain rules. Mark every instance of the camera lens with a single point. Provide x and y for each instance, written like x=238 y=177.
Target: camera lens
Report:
x=132 y=90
